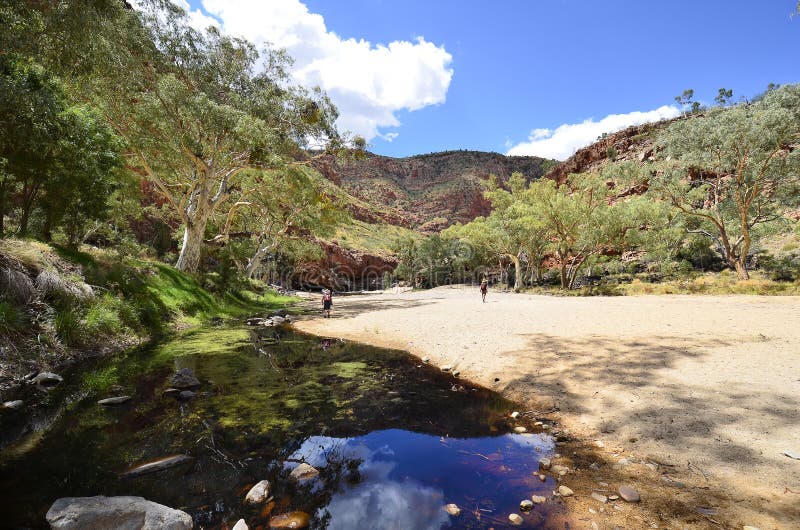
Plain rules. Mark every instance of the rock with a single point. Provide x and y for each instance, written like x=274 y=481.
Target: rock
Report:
x=545 y=463
x=542 y=477
x=171 y=392
x=515 y=518
x=240 y=525
x=258 y=493
x=456 y=373
x=47 y=379
x=565 y=491
x=613 y=497
x=520 y=429
x=446 y=368
x=277 y=320
x=184 y=378
x=599 y=497
x=187 y=395
x=114 y=400
x=13 y=405
x=526 y=505
x=514 y=415
x=255 y=321
x=624 y=462
x=749 y=528
x=115 y=513
x=629 y=494
x=157 y=465
x=453 y=510
x=792 y=454
x=426 y=359
x=290 y=520
x=560 y=470
x=303 y=472
x=538 y=499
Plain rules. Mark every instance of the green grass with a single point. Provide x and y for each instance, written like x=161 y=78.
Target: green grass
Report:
x=10 y=318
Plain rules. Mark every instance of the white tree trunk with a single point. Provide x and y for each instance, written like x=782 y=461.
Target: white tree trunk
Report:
x=189 y=258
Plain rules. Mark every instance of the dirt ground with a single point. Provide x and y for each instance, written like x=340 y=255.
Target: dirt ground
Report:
x=691 y=399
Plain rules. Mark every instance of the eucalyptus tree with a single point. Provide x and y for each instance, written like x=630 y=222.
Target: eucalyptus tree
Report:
x=583 y=219
x=199 y=109
x=734 y=172
x=278 y=207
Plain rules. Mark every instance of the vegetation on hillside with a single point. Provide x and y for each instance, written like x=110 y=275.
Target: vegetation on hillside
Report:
x=720 y=185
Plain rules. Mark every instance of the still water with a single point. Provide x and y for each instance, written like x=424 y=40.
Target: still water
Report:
x=395 y=440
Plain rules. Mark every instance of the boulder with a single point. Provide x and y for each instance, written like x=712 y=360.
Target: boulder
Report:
x=184 y=378
x=292 y=520
x=47 y=379
x=157 y=465
x=114 y=400
x=115 y=513
x=258 y=493
x=303 y=472
x=13 y=405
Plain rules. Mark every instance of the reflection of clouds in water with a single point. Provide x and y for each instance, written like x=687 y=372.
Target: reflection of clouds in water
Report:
x=389 y=505
x=539 y=443
x=378 y=502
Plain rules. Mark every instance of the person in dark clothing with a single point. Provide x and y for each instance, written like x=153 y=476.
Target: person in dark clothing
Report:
x=327 y=303
x=484 y=288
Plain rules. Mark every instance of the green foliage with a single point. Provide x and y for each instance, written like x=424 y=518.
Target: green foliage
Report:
x=732 y=173
x=68 y=327
x=10 y=318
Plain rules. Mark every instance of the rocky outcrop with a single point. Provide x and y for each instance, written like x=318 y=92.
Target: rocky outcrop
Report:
x=421 y=189
x=634 y=143
x=344 y=269
x=115 y=513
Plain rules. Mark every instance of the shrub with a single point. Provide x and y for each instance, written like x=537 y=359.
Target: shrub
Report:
x=68 y=327
x=10 y=318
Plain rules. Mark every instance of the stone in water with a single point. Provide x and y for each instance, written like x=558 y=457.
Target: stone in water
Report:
x=287 y=521
x=114 y=400
x=515 y=518
x=258 y=493
x=526 y=505
x=453 y=510
x=538 y=499
x=303 y=472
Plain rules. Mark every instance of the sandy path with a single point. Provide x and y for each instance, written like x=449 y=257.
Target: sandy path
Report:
x=714 y=381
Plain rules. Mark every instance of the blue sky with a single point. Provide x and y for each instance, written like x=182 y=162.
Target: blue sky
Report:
x=520 y=76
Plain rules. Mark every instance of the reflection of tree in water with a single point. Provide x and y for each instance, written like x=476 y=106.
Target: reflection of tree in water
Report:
x=262 y=397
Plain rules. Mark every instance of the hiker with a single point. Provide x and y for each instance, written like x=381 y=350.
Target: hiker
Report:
x=484 y=288
x=327 y=303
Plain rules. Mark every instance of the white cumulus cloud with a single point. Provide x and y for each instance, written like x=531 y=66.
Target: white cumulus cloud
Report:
x=562 y=142
x=369 y=83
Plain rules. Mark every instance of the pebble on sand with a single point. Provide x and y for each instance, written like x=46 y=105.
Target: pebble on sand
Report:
x=565 y=491
x=629 y=494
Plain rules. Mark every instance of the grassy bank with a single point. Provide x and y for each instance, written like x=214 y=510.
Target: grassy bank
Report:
x=57 y=305
x=721 y=283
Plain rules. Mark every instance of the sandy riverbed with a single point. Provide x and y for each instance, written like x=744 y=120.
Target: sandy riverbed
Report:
x=708 y=384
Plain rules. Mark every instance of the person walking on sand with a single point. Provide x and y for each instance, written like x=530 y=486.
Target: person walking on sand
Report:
x=327 y=303
x=484 y=288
